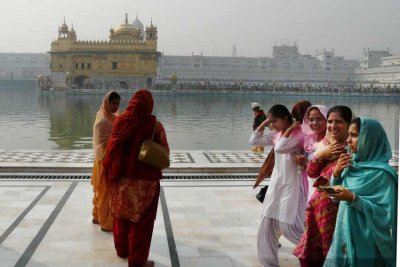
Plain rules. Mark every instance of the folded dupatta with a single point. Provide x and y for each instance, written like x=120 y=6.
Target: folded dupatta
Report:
x=367 y=226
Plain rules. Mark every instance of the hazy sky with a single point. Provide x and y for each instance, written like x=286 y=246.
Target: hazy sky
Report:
x=211 y=26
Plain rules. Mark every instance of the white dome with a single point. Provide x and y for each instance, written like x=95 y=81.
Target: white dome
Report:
x=138 y=24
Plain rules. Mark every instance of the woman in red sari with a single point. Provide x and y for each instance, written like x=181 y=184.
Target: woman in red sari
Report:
x=321 y=211
x=136 y=186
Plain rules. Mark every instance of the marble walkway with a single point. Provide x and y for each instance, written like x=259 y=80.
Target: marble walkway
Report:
x=199 y=223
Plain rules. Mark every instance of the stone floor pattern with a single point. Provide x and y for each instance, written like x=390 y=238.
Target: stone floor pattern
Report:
x=199 y=223
x=177 y=157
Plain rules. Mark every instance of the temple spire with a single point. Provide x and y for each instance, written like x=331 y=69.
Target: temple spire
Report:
x=126 y=18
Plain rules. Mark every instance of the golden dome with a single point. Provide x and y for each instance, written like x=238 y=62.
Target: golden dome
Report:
x=126 y=30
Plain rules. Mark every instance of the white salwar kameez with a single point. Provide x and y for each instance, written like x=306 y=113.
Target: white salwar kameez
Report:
x=285 y=201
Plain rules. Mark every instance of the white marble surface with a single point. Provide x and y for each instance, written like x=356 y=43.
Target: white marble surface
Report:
x=214 y=223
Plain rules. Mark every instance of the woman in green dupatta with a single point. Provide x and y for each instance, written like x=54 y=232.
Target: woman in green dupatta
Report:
x=365 y=233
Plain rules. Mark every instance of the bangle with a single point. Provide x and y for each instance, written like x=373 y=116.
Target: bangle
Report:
x=354 y=197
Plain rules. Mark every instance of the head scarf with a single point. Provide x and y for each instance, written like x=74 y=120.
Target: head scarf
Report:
x=373 y=147
x=129 y=131
x=374 y=182
x=102 y=127
x=309 y=140
x=305 y=127
x=105 y=109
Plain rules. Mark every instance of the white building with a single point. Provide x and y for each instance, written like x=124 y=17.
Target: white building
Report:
x=378 y=68
x=23 y=66
x=286 y=66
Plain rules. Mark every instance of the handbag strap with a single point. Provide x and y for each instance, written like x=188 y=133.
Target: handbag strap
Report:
x=154 y=130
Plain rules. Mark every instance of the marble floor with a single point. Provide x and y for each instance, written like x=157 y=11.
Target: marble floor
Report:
x=199 y=223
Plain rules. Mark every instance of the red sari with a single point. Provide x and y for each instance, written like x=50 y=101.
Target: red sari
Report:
x=136 y=186
x=320 y=221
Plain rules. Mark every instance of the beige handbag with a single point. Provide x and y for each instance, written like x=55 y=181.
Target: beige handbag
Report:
x=153 y=153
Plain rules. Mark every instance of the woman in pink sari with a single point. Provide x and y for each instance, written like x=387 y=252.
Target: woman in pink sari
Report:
x=102 y=127
x=314 y=128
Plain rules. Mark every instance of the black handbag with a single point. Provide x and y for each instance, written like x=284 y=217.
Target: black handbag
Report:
x=261 y=195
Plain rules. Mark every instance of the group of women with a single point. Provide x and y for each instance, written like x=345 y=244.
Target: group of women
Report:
x=126 y=191
x=351 y=224
x=331 y=192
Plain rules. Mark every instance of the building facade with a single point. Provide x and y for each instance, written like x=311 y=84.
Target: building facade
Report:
x=127 y=60
x=286 y=66
x=130 y=60
x=23 y=66
x=378 y=68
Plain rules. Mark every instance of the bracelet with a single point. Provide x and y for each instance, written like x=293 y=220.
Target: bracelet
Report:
x=354 y=197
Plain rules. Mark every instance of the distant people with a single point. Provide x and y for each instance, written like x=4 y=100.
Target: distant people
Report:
x=314 y=128
x=284 y=204
x=136 y=185
x=102 y=127
x=366 y=231
x=259 y=117
x=321 y=210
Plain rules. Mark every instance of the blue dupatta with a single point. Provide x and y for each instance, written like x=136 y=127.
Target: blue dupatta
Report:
x=365 y=233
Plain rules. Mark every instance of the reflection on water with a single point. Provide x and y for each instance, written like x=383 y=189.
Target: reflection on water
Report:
x=30 y=119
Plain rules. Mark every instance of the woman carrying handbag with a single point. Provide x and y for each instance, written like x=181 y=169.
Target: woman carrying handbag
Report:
x=136 y=185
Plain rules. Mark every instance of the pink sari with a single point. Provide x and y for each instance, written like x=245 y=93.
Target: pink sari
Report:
x=320 y=220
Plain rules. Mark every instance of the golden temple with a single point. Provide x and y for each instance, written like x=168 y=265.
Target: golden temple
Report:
x=127 y=60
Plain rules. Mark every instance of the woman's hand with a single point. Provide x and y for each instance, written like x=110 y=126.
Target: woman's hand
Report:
x=289 y=130
x=301 y=161
x=330 y=151
x=344 y=161
x=295 y=125
x=263 y=125
x=342 y=194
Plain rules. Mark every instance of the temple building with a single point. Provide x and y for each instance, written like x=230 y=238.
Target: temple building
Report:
x=127 y=60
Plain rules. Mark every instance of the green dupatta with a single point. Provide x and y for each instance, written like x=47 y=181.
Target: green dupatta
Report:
x=365 y=233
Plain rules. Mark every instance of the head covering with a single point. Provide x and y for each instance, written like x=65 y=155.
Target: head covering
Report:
x=130 y=129
x=255 y=105
x=102 y=127
x=374 y=182
x=305 y=127
x=105 y=109
x=310 y=138
x=373 y=147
